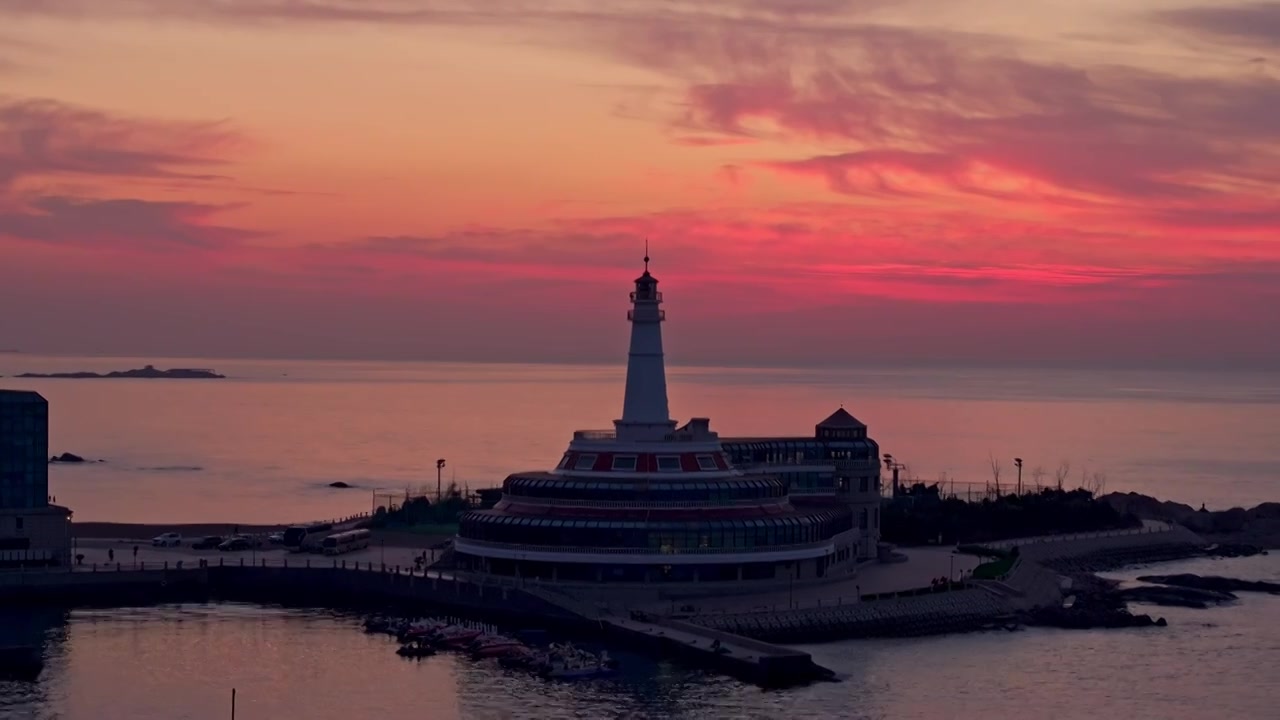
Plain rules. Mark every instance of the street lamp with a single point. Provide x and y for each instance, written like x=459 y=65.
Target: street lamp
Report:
x=439 y=471
x=891 y=464
x=1018 y=462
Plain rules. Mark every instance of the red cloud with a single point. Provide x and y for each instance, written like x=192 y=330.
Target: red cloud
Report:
x=43 y=138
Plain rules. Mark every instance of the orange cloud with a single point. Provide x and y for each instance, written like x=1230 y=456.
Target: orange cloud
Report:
x=940 y=190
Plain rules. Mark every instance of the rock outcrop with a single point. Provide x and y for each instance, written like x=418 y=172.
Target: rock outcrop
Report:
x=148 y=372
x=1259 y=525
x=1090 y=617
x=1212 y=583
x=1175 y=596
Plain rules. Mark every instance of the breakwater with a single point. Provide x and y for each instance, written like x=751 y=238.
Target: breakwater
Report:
x=373 y=587
x=959 y=610
x=1035 y=581
x=738 y=643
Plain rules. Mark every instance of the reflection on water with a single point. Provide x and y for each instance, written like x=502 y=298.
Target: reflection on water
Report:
x=41 y=629
x=275 y=434
x=182 y=661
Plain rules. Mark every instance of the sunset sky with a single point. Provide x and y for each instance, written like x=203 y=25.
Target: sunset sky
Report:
x=823 y=182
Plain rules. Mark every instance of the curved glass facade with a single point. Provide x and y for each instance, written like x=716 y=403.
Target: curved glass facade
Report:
x=568 y=488
x=656 y=534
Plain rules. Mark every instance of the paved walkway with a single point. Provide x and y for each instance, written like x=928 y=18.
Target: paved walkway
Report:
x=923 y=565
x=733 y=647
x=95 y=551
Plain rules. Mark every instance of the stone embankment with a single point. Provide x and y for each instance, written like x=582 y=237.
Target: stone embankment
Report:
x=969 y=608
x=1107 y=551
x=370 y=587
x=1032 y=591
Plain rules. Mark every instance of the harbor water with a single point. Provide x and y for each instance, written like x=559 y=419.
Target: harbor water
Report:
x=180 y=663
x=263 y=445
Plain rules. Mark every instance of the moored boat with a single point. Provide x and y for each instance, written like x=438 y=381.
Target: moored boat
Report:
x=495 y=646
x=455 y=638
x=416 y=649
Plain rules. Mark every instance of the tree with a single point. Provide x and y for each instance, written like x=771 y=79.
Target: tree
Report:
x=1063 y=471
x=1037 y=476
x=1094 y=481
x=997 y=468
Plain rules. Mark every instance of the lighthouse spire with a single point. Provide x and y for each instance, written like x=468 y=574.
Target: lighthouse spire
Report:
x=645 y=414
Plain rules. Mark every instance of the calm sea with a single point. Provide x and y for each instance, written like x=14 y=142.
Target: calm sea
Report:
x=263 y=445
x=180 y=663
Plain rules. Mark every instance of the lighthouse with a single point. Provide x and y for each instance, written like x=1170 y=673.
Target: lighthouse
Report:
x=645 y=415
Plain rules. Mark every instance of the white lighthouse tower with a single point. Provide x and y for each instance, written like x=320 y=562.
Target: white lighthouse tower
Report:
x=645 y=415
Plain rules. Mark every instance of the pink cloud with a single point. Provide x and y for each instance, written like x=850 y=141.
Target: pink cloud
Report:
x=967 y=201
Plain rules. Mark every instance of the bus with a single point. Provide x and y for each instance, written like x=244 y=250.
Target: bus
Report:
x=345 y=542
x=306 y=538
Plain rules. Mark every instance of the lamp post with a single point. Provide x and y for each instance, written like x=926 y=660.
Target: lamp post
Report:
x=895 y=466
x=439 y=471
x=1018 y=463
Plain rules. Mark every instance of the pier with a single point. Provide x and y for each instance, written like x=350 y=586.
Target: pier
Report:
x=372 y=586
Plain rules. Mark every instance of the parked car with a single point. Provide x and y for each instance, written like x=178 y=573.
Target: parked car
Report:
x=235 y=543
x=169 y=539
x=276 y=538
x=208 y=542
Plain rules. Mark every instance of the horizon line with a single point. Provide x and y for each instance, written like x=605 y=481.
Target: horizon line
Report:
x=1260 y=367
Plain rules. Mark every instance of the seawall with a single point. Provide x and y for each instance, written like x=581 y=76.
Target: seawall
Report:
x=408 y=594
x=1035 y=581
x=959 y=610
x=336 y=587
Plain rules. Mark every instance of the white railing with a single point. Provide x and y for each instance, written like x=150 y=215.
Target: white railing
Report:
x=16 y=576
x=642 y=551
x=595 y=435
x=1147 y=529
x=641 y=504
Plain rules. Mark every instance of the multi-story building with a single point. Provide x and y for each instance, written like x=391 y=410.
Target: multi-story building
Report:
x=652 y=502
x=32 y=531
x=838 y=465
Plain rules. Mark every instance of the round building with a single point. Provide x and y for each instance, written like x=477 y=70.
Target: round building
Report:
x=652 y=502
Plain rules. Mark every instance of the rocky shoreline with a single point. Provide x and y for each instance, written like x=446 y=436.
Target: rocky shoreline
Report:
x=1258 y=526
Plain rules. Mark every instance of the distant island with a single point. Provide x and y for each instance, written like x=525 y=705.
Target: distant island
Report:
x=147 y=372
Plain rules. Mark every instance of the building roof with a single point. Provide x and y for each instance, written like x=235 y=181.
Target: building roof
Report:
x=841 y=419
x=21 y=396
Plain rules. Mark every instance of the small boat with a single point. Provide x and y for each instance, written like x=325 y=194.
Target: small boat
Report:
x=456 y=638
x=496 y=647
x=416 y=650
x=519 y=659
x=577 y=670
x=420 y=630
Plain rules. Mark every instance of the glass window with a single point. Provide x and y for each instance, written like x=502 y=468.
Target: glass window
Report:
x=585 y=462
x=707 y=462
x=564 y=462
x=668 y=463
x=624 y=462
